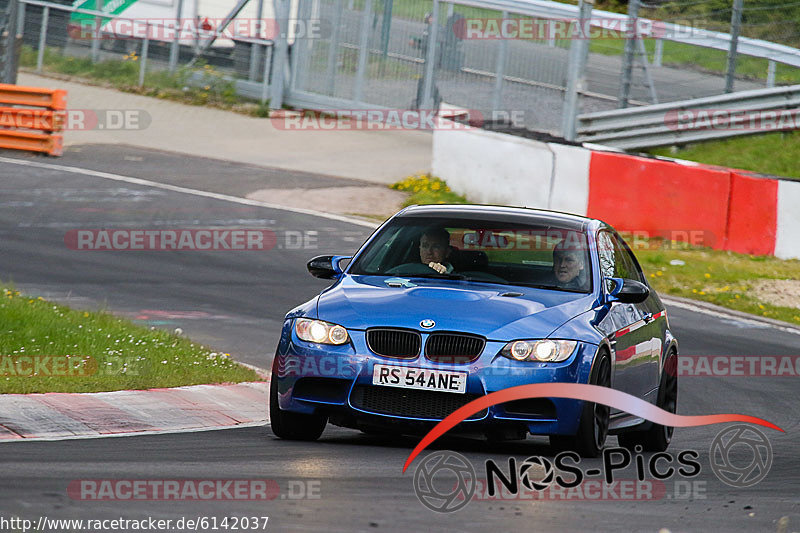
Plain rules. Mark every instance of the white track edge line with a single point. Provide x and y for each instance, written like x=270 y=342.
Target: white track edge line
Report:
x=186 y=190
x=721 y=313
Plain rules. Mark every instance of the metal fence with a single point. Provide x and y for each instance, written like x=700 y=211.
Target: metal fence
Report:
x=409 y=54
x=63 y=38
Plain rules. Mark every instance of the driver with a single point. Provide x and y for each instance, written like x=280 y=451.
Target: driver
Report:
x=569 y=267
x=434 y=250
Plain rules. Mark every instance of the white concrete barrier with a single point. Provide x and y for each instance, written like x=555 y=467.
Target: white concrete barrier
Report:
x=787 y=236
x=570 y=190
x=498 y=168
x=494 y=168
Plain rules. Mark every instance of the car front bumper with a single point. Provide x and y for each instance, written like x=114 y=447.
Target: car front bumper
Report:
x=337 y=380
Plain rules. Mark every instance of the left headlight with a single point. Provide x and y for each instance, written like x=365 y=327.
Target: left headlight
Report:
x=545 y=351
x=320 y=331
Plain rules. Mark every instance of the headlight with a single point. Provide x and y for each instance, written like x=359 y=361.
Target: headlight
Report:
x=320 y=332
x=546 y=350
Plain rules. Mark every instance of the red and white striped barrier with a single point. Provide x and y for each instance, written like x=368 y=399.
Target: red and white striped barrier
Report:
x=733 y=210
x=56 y=415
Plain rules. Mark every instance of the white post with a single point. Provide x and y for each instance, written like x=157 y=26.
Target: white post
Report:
x=42 y=38
x=145 y=49
x=659 y=53
x=771 y=74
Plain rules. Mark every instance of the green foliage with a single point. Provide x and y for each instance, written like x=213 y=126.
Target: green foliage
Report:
x=113 y=354
x=773 y=153
x=212 y=88
x=723 y=278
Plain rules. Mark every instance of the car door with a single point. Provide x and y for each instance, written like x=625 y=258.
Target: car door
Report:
x=644 y=335
x=621 y=318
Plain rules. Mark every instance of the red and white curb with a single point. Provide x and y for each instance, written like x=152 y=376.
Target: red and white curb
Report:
x=57 y=416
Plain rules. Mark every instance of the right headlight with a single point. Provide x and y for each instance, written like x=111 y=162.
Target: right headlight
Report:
x=543 y=350
x=320 y=331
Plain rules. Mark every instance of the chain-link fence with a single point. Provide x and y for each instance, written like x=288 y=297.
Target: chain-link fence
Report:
x=420 y=54
x=89 y=38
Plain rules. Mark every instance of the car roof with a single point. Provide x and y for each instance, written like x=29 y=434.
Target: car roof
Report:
x=501 y=213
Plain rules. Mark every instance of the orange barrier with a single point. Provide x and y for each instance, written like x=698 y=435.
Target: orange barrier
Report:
x=15 y=121
x=32 y=119
x=33 y=96
x=34 y=142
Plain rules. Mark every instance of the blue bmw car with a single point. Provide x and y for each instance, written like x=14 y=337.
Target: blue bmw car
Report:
x=446 y=303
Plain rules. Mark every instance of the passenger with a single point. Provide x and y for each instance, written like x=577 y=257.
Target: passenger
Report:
x=569 y=267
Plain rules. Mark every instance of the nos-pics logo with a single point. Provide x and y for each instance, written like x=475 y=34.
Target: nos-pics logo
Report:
x=446 y=481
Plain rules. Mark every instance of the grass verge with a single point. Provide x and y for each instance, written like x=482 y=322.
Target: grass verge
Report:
x=772 y=153
x=212 y=91
x=46 y=347
x=723 y=278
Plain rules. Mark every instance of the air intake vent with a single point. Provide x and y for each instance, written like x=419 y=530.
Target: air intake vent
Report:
x=400 y=343
x=431 y=405
x=454 y=347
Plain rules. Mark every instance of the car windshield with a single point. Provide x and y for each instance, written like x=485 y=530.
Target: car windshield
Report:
x=542 y=256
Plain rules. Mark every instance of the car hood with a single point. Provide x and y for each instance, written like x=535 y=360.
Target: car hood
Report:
x=359 y=302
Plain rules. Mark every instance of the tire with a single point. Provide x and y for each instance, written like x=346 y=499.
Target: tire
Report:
x=658 y=437
x=593 y=426
x=292 y=426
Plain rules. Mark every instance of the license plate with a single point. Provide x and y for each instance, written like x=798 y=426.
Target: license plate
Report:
x=407 y=377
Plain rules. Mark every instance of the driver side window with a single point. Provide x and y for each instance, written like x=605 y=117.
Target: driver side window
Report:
x=626 y=264
x=605 y=252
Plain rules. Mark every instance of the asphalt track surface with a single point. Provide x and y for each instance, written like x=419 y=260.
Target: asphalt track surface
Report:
x=235 y=301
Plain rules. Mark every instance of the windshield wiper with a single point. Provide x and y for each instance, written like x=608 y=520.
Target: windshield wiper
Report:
x=547 y=287
x=438 y=276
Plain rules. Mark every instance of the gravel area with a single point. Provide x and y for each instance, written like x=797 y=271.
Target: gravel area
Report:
x=346 y=200
x=782 y=292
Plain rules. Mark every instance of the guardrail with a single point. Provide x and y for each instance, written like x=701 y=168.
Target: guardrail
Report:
x=44 y=112
x=701 y=119
x=648 y=28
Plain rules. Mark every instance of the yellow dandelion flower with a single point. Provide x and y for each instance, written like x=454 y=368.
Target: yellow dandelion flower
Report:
x=707 y=275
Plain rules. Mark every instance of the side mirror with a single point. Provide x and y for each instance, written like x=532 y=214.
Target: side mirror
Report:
x=627 y=291
x=326 y=266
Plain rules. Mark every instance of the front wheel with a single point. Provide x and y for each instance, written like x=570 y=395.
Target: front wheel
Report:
x=658 y=437
x=292 y=426
x=593 y=426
